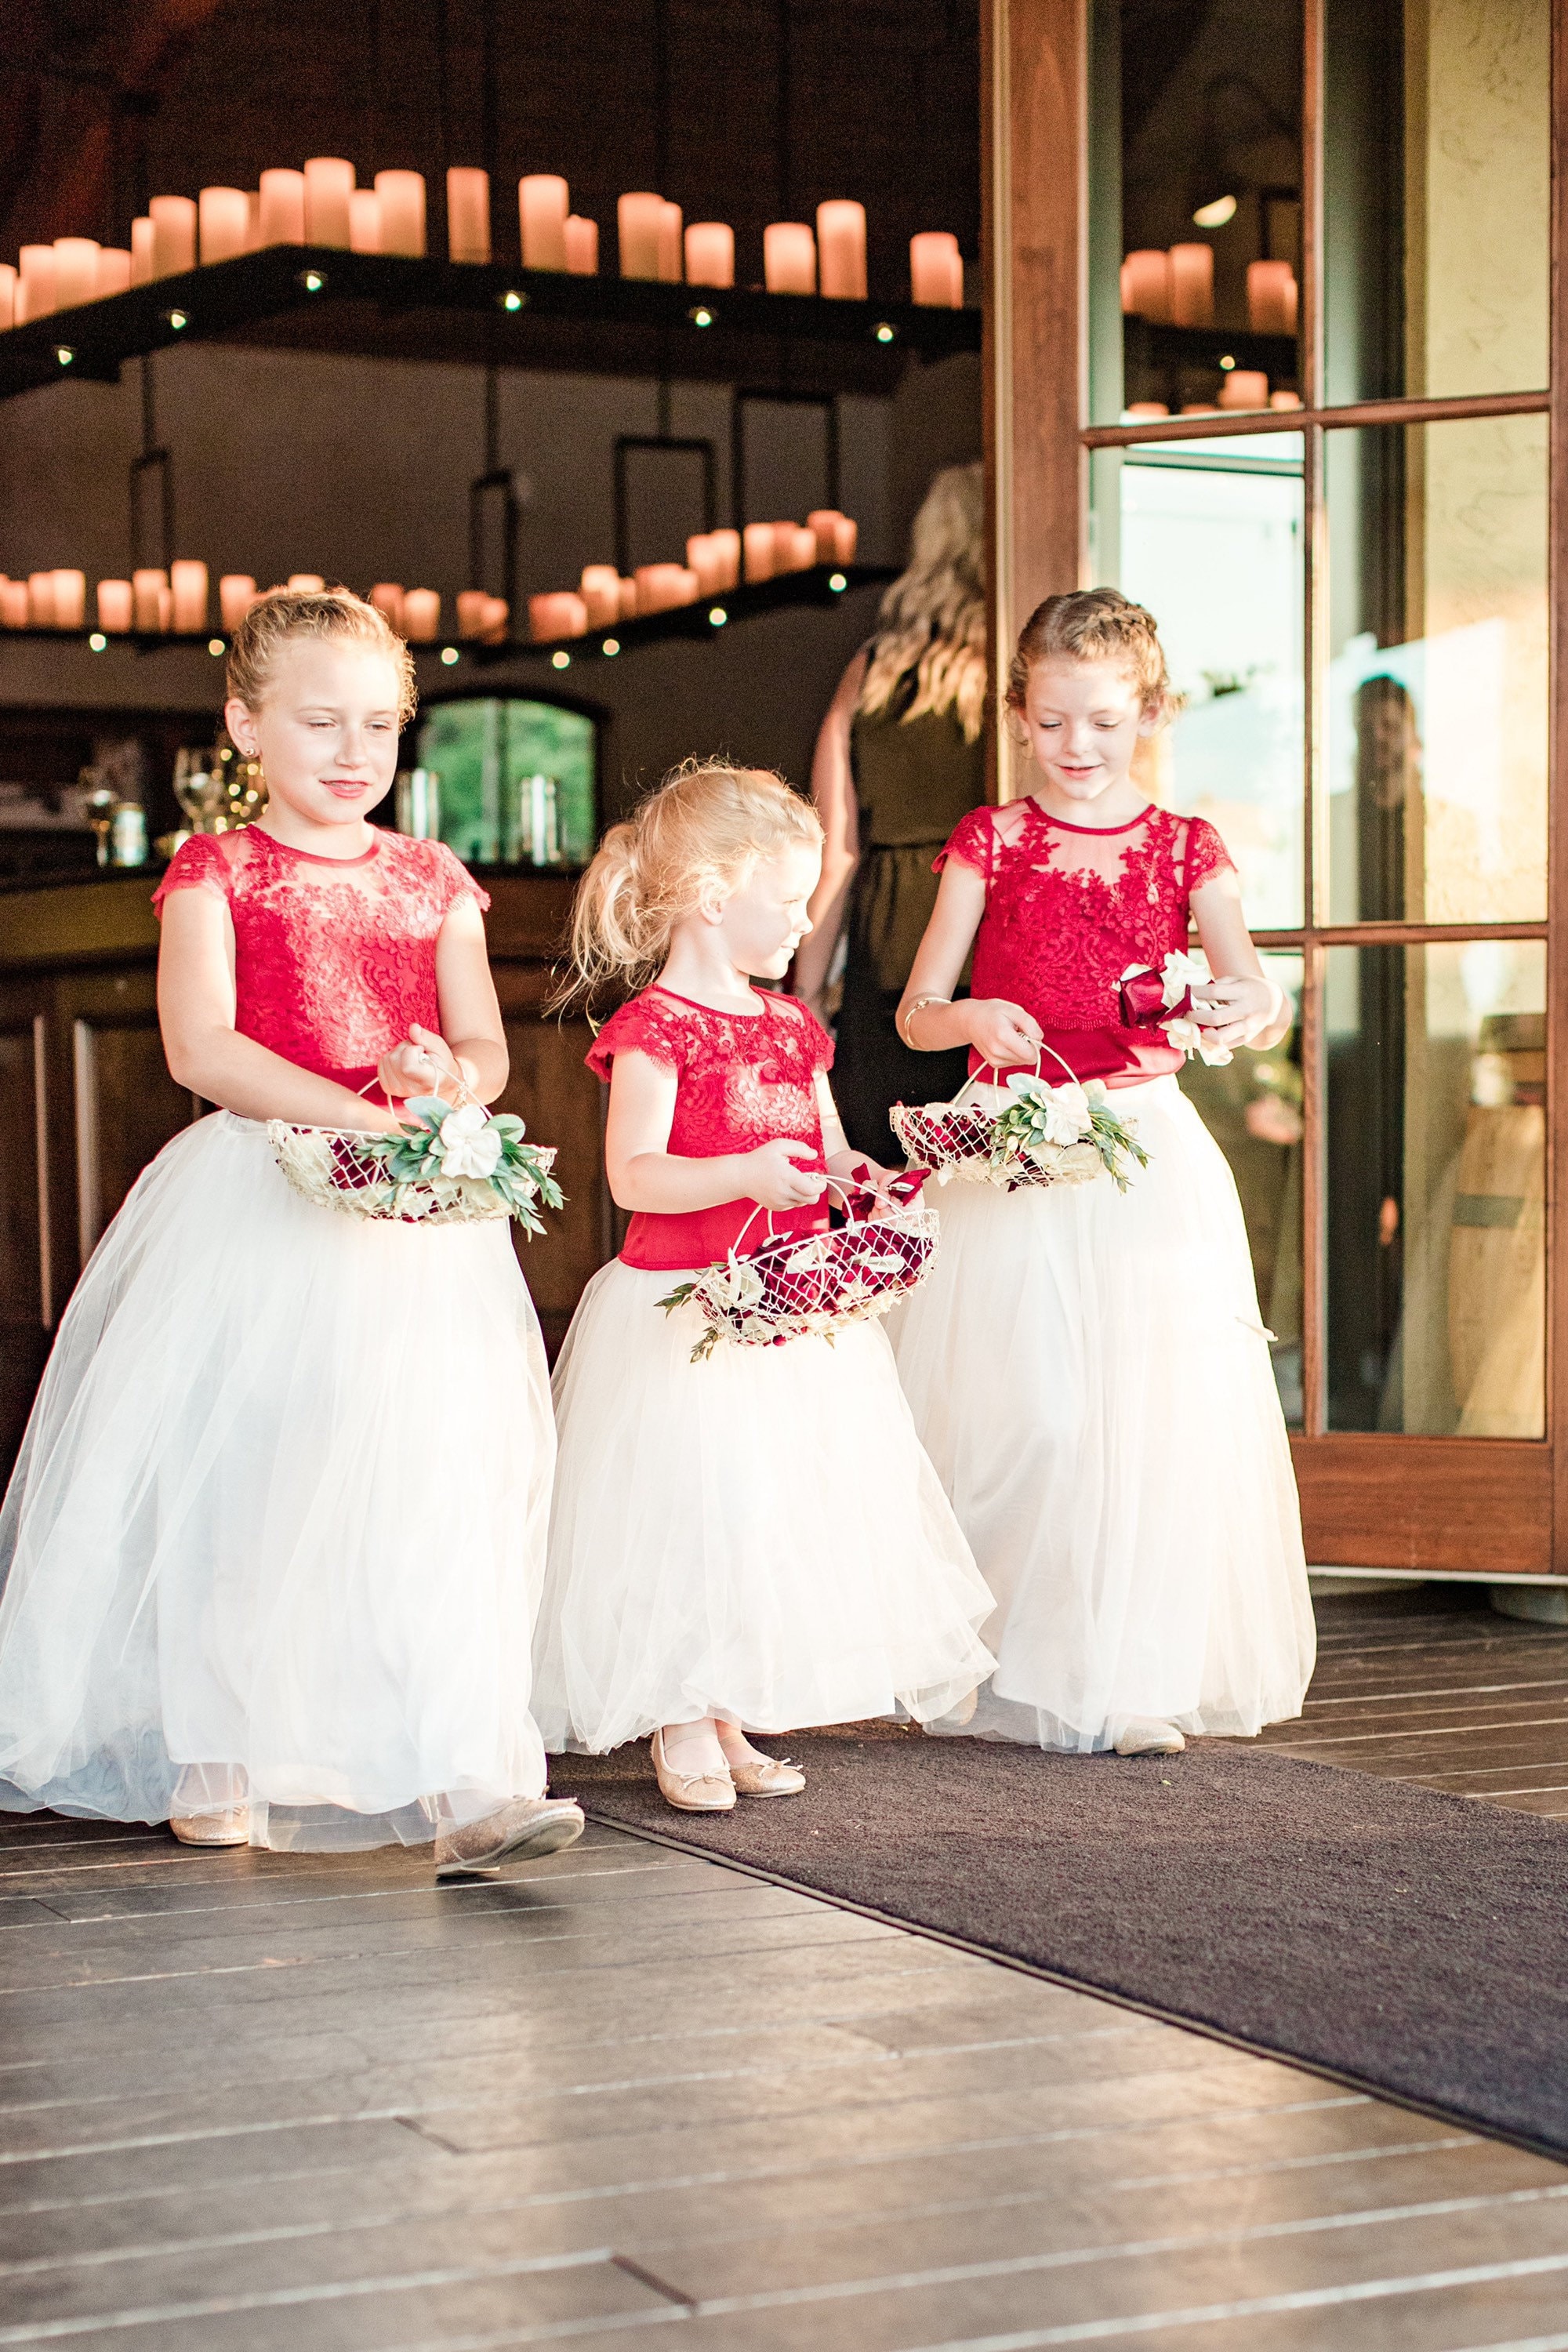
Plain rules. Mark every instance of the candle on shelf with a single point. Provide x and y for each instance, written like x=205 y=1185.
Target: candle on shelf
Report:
x=757 y=539
x=35 y=292
x=841 y=248
x=113 y=273
x=173 y=222
x=471 y=603
x=115 y=606
x=188 y=580
x=141 y=250
x=305 y=584
x=223 y=217
x=670 y=253
x=581 y=246
x=495 y=620
x=387 y=598
x=1245 y=388
x=1197 y=408
x=40 y=600
x=146 y=587
x=543 y=203
x=600 y=589
x=559 y=614
x=1146 y=284
x=789 y=258
x=1271 y=297
x=7 y=294
x=1284 y=400
x=803 y=551
x=13 y=603
x=638 y=218
x=835 y=534
x=165 y=607
x=75 y=271
x=710 y=253
x=936 y=271
x=626 y=595
x=1192 y=285
x=365 y=220
x=704 y=559
x=281 y=206
x=401 y=198
x=726 y=552
x=1140 y=408
x=252 y=220
x=467 y=213
x=236 y=595
x=329 y=184
x=664 y=587
x=70 y=600
x=421 y=615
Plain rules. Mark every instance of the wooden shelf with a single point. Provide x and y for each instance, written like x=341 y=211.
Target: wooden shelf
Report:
x=384 y=306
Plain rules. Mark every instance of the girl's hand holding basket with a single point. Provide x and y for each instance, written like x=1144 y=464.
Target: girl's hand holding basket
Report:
x=1046 y=1133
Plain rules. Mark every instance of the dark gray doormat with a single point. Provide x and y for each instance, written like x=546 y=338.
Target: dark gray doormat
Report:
x=1399 y=1940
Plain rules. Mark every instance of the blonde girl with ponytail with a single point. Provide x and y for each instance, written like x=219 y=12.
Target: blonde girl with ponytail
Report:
x=755 y=1542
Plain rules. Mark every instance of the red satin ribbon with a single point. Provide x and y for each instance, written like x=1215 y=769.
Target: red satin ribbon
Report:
x=1143 y=1004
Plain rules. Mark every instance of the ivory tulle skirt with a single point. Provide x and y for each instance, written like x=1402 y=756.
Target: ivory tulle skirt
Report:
x=758 y=1535
x=1091 y=1377
x=279 y=1515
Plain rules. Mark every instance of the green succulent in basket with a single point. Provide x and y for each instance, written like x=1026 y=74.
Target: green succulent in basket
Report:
x=1069 y=1130
x=437 y=1144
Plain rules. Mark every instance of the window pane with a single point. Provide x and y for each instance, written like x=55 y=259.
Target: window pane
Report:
x=1208 y=536
x=1437 y=684
x=1195 y=203
x=1252 y=1108
x=1437 y=1073
x=1435 y=191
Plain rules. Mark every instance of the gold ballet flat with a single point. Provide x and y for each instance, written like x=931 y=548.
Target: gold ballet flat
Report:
x=1142 y=1735
x=229 y=1828
x=691 y=1792
x=768 y=1777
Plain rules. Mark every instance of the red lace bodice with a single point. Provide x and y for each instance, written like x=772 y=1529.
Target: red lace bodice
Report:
x=334 y=956
x=1067 y=908
x=741 y=1078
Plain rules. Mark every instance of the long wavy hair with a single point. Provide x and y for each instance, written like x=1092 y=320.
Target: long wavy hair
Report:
x=933 y=616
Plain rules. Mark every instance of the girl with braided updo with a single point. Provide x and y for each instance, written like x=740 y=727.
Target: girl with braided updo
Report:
x=1088 y=1371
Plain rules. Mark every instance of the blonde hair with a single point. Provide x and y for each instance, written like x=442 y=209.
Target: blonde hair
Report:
x=703 y=830
x=1096 y=624
x=335 y=615
x=933 y=616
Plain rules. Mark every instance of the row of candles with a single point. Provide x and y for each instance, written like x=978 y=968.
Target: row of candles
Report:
x=323 y=206
x=156 y=603
x=1175 y=288
x=1240 y=388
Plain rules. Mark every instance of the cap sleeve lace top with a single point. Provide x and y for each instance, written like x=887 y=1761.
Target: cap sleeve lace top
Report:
x=742 y=1079
x=1067 y=908
x=334 y=956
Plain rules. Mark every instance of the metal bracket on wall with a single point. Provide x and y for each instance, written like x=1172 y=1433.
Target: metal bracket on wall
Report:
x=748 y=396
x=499 y=483
x=625 y=443
x=151 y=491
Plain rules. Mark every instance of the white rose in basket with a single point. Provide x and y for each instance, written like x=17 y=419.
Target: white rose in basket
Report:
x=469 y=1144
x=1064 y=1110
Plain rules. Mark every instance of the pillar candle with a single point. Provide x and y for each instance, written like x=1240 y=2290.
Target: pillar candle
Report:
x=329 y=184
x=13 y=603
x=75 y=271
x=145 y=587
x=467 y=213
x=113 y=273
x=365 y=220
x=252 y=220
x=282 y=208
x=637 y=221
x=936 y=269
x=841 y=248
x=1192 y=285
x=1284 y=400
x=421 y=615
x=1141 y=408
x=401 y=198
x=115 y=606
x=387 y=598
x=758 y=541
x=36 y=293
x=70 y=600
x=600 y=590
x=802 y=548
x=665 y=587
x=726 y=548
x=1245 y=388
x=141 y=251
x=543 y=203
x=305 y=584
x=236 y=595
x=40 y=600
x=1271 y=298
x=669 y=246
x=702 y=558
x=627 y=595
x=789 y=258
x=560 y=613
x=835 y=534
x=495 y=620
x=710 y=253
x=471 y=603
x=173 y=222
x=188 y=580
x=1146 y=284
x=581 y=246
x=784 y=548
x=165 y=607
x=7 y=294
x=223 y=216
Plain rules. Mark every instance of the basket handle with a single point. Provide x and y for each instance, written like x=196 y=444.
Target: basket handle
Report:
x=835 y=1183
x=1041 y=1048
x=465 y=1093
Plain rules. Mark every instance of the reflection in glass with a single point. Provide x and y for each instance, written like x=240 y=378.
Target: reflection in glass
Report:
x=1436 y=1066
x=1195 y=203
x=1252 y=1108
x=1210 y=540
x=1437 y=681
x=1435 y=197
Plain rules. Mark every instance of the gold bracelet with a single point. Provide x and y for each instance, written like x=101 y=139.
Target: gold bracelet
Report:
x=907 y=1017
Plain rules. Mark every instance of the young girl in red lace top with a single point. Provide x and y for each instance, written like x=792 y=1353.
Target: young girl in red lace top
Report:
x=754 y=1541
x=1087 y=1369
x=278 y=1528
